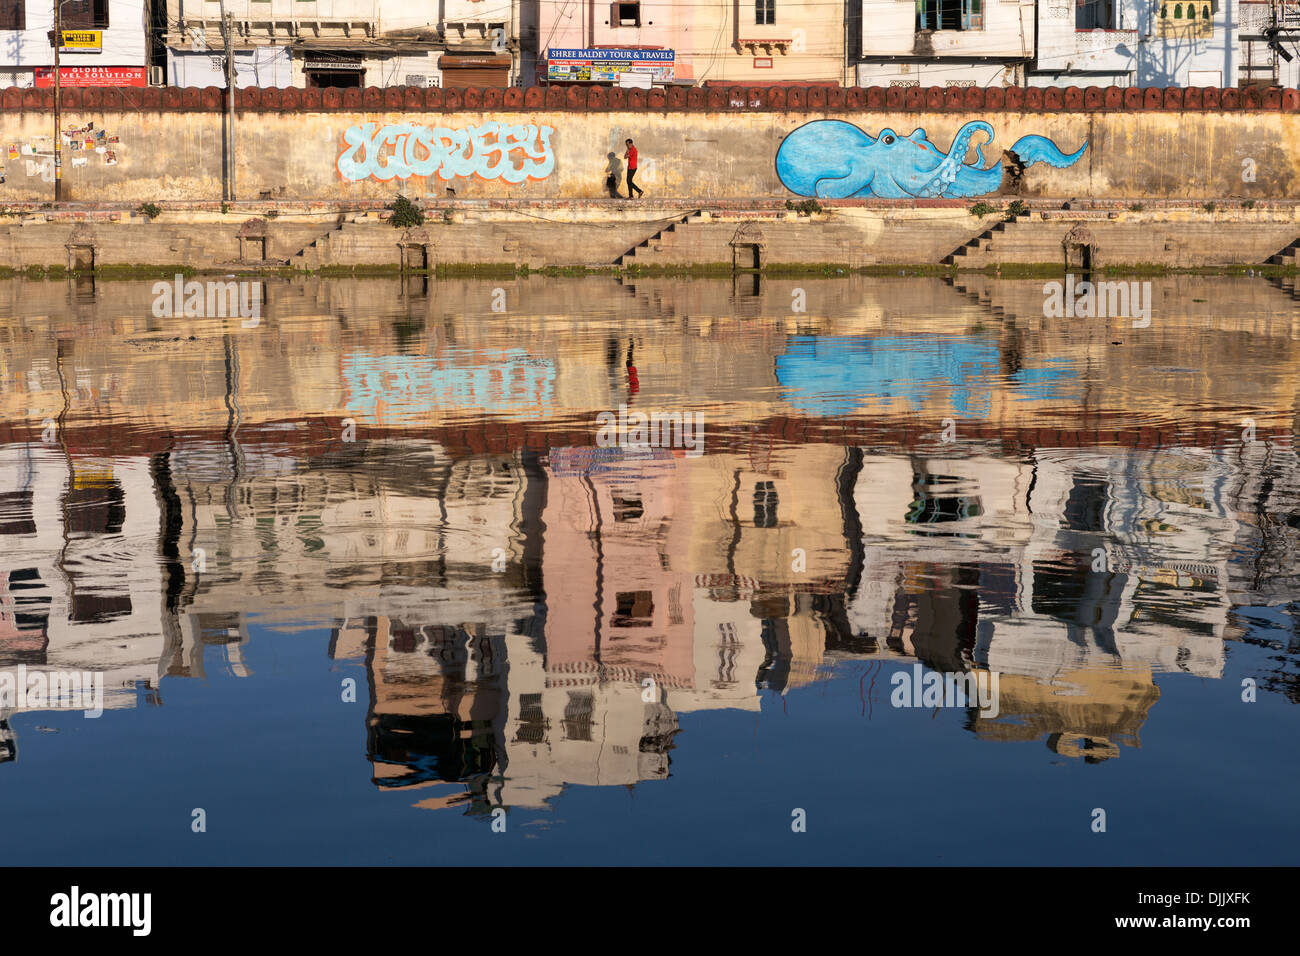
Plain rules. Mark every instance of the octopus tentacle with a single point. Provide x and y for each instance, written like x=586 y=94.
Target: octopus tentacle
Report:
x=946 y=173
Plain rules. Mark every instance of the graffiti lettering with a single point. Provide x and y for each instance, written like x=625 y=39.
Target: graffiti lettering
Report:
x=490 y=151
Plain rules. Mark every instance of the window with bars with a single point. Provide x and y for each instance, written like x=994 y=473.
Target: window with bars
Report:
x=764 y=11
x=949 y=15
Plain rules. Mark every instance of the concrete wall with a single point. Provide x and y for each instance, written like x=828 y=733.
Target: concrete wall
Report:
x=662 y=237
x=716 y=145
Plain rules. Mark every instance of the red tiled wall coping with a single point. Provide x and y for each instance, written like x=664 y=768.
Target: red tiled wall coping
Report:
x=1073 y=99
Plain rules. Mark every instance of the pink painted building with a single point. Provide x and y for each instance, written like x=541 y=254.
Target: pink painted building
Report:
x=738 y=42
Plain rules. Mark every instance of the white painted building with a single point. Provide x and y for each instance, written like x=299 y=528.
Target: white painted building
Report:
x=1141 y=43
x=346 y=43
x=118 y=26
x=945 y=42
x=1136 y=43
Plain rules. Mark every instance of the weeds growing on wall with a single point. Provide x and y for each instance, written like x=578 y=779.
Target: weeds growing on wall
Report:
x=406 y=214
x=805 y=207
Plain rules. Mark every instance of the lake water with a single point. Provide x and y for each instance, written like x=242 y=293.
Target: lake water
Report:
x=376 y=575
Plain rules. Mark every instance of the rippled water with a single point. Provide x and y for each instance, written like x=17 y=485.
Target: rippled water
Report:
x=363 y=572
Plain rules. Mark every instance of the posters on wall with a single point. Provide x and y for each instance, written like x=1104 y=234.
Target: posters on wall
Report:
x=81 y=144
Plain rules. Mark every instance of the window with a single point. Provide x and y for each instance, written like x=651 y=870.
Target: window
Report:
x=1184 y=19
x=578 y=713
x=1096 y=15
x=949 y=15
x=16 y=515
x=85 y=15
x=13 y=14
x=628 y=507
x=633 y=609
x=764 y=11
x=765 y=504
x=625 y=15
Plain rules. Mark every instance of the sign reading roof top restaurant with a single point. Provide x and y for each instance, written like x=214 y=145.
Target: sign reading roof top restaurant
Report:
x=606 y=65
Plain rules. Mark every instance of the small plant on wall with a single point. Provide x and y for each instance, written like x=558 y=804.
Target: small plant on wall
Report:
x=805 y=207
x=406 y=214
x=150 y=210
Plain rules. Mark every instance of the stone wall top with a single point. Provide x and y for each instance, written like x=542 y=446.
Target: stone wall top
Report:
x=676 y=99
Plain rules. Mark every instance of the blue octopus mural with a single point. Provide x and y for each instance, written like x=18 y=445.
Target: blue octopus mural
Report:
x=831 y=159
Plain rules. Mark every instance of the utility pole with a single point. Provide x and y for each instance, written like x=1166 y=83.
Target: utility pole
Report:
x=58 y=87
x=228 y=161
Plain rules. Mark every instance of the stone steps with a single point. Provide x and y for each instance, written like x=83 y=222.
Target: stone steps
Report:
x=969 y=254
x=644 y=252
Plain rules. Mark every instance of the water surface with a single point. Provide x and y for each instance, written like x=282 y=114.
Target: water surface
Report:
x=359 y=576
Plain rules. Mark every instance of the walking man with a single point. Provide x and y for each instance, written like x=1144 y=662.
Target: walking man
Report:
x=630 y=156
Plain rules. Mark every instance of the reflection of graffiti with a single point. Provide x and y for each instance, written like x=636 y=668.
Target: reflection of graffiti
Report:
x=835 y=160
x=509 y=380
x=489 y=151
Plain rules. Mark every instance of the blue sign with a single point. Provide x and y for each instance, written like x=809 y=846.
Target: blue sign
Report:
x=613 y=56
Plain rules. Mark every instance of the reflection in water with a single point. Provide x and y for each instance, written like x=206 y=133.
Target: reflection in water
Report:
x=912 y=471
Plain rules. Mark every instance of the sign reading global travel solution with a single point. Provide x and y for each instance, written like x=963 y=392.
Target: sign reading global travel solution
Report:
x=605 y=65
x=91 y=76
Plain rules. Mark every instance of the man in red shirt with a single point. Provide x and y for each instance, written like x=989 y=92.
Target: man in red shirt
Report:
x=630 y=156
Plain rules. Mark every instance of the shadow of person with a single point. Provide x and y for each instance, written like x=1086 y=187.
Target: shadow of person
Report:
x=613 y=174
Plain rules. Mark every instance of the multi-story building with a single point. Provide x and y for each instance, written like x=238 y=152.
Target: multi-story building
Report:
x=945 y=42
x=345 y=43
x=1074 y=43
x=1135 y=43
x=644 y=43
x=110 y=48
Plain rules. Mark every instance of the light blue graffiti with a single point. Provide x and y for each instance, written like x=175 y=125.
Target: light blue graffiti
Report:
x=513 y=153
x=831 y=159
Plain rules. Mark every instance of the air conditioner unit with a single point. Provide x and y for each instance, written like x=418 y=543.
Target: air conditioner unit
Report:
x=157 y=76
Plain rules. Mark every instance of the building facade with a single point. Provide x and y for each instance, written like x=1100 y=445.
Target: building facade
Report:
x=760 y=42
x=345 y=43
x=946 y=42
x=110 y=49
x=1135 y=43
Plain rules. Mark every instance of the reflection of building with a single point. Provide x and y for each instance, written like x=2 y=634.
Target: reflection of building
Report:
x=533 y=611
x=81 y=589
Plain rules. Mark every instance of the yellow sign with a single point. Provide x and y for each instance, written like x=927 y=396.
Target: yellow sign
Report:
x=83 y=39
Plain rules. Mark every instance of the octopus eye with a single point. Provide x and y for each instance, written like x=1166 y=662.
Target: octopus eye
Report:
x=888 y=140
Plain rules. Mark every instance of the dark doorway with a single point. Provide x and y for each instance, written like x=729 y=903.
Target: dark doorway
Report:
x=335 y=79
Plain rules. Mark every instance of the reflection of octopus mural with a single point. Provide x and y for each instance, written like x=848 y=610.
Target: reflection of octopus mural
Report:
x=831 y=159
